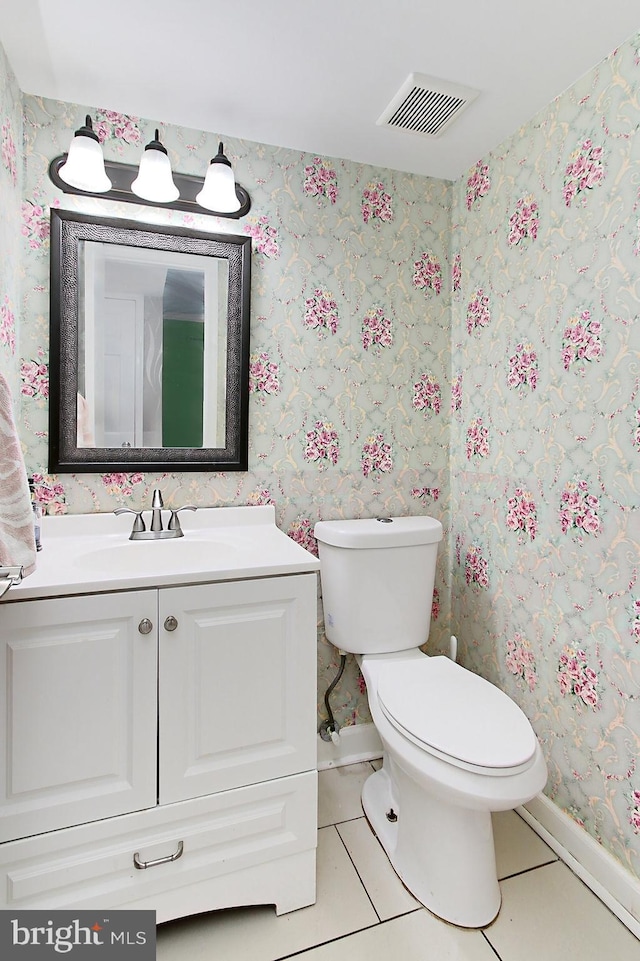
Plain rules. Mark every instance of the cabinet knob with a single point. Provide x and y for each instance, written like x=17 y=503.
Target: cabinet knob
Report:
x=170 y=623
x=145 y=626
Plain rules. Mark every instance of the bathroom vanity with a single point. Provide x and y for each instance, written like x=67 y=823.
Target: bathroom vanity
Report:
x=160 y=705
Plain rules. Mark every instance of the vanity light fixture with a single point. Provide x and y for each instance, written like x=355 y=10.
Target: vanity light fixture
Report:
x=155 y=180
x=219 y=189
x=85 y=171
x=84 y=166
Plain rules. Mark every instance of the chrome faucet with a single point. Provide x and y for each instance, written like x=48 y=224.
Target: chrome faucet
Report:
x=139 y=531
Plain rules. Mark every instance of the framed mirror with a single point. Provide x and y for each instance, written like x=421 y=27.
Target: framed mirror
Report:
x=149 y=347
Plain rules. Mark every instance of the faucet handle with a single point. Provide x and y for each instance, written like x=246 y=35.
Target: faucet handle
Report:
x=138 y=524
x=174 y=520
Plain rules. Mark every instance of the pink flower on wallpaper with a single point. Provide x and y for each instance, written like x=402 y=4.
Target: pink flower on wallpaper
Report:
x=635 y=620
x=426 y=394
x=376 y=203
x=478 y=184
x=118 y=126
x=584 y=171
x=523 y=367
x=427 y=273
x=35 y=224
x=576 y=678
x=263 y=375
x=636 y=432
x=521 y=514
x=321 y=311
x=579 y=509
x=34 y=375
x=7 y=325
x=320 y=180
x=264 y=236
x=322 y=445
x=435 y=604
x=9 y=152
x=477 y=444
x=478 y=311
x=523 y=222
x=49 y=494
x=581 y=339
x=456 y=273
x=121 y=484
x=376 y=330
x=260 y=497
x=422 y=492
x=634 y=811
x=456 y=394
x=476 y=567
x=376 y=456
x=520 y=660
x=302 y=533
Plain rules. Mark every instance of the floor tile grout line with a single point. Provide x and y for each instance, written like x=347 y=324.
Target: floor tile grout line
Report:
x=358 y=873
x=347 y=934
x=535 y=867
x=483 y=933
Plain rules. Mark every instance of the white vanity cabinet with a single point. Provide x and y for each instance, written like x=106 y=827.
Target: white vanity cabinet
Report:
x=159 y=747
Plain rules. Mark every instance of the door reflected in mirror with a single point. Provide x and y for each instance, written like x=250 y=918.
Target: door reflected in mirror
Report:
x=149 y=346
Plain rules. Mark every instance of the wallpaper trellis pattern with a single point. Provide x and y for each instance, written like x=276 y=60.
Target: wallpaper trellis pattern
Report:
x=350 y=349
x=469 y=351
x=546 y=439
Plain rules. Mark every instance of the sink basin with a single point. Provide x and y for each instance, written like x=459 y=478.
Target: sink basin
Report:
x=161 y=556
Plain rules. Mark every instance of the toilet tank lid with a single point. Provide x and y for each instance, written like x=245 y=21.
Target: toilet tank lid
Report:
x=372 y=532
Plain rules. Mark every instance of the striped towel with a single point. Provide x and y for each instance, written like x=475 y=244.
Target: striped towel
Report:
x=17 y=543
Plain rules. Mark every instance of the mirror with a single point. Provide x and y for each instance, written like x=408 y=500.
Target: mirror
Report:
x=149 y=347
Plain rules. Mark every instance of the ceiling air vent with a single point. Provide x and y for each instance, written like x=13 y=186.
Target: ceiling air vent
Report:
x=426 y=105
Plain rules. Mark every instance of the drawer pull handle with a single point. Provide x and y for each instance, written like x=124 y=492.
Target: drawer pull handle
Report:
x=170 y=623
x=141 y=865
x=145 y=626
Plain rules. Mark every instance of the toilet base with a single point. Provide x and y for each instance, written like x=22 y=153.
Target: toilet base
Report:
x=444 y=854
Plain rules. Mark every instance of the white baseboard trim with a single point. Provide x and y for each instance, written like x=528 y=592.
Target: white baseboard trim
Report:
x=599 y=870
x=358 y=742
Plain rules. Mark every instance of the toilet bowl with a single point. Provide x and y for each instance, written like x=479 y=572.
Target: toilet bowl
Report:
x=431 y=811
x=456 y=748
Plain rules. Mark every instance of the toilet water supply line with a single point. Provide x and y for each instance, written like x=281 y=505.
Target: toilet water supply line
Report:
x=329 y=730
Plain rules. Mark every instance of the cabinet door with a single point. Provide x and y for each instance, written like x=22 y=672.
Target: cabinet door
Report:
x=78 y=684
x=237 y=684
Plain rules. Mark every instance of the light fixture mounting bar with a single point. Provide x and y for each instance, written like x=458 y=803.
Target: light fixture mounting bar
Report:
x=122 y=176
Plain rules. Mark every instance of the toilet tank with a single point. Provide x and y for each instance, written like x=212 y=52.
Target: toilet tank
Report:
x=377 y=578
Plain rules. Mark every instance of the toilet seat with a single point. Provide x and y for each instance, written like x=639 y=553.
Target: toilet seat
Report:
x=456 y=715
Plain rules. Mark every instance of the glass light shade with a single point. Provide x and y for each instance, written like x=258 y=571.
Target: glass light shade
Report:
x=84 y=166
x=219 y=189
x=155 y=180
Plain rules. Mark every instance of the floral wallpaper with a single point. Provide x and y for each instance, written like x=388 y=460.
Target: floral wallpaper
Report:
x=350 y=347
x=545 y=445
x=466 y=350
x=10 y=222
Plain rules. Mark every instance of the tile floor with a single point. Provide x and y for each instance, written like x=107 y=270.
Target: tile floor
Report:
x=363 y=913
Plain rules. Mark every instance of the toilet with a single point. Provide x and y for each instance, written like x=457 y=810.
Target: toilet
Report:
x=455 y=747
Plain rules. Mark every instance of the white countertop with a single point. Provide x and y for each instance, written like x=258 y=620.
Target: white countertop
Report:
x=91 y=553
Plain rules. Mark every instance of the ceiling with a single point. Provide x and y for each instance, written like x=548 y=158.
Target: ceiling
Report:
x=314 y=76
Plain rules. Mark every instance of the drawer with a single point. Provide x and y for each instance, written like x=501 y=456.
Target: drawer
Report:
x=190 y=846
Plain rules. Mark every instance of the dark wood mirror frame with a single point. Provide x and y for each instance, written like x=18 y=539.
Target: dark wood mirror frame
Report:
x=68 y=230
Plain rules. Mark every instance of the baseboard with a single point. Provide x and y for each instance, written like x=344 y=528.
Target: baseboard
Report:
x=358 y=742
x=599 y=870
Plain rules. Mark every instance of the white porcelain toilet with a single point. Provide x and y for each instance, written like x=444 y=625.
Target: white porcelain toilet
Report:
x=456 y=748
